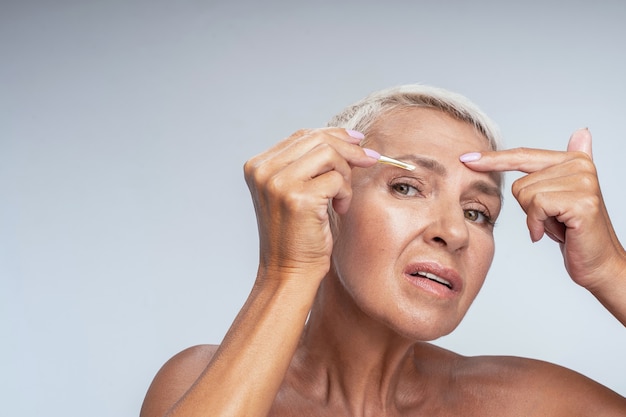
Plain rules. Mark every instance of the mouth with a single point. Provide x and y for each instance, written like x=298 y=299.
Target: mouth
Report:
x=435 y=278
x=432 y=277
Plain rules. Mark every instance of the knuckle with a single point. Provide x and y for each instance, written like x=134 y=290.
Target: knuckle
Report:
x=530 y=201
x=325 y=148
x=307 y=134
x=256 y=173
x=589 y=203
x=295 y=202
x=337 y=178
x=301 y=133
x=249 y=168
x=587 y=181
x=281 y=190
x=524 y=152
x=346 y=178
x=517 y=188
x=538 y=199
x=275 y=185
x=585 y=165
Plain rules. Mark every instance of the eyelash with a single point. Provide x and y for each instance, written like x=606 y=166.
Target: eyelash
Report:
x=419 y=188
x=482 y=212
x=419 y=191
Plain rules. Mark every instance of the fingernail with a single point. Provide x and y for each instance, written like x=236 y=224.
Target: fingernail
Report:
x=372 y=153
x=355 y=134
x=470 y=157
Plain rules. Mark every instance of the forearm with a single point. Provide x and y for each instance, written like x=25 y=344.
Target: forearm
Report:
x=612 y=292
x=615 y=302
x=247 y=370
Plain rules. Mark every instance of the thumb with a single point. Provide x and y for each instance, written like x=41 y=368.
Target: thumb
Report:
x=580 y=141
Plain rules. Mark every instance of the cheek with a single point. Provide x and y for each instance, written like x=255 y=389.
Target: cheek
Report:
x=490 y=249
x=481 y=258
x=365 y=235
x=354 y=236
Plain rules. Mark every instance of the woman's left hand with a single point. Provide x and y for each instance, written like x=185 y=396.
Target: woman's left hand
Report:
x=561 y=198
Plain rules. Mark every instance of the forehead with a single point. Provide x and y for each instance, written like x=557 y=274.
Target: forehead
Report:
x=425 y=125
x=430 y=132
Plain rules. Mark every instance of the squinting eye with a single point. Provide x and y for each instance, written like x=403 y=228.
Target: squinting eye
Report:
x=477 y=216
x=405 y=189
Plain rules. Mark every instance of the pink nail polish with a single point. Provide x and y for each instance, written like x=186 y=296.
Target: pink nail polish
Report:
x=355 y=134
x=372 y=153
x=470 y=157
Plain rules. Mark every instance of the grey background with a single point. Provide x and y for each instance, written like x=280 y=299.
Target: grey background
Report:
x=126 y=229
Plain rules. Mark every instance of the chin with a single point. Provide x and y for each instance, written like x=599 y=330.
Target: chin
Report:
x=424 y=328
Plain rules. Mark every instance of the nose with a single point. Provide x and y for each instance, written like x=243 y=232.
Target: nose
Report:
x=448 y=228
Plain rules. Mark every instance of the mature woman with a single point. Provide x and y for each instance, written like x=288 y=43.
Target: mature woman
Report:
x=348 y=294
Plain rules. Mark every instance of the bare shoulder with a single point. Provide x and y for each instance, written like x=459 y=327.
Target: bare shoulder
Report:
x=537 y=388
x=174 y=378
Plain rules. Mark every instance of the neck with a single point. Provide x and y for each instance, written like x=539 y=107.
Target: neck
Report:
x=355 y=361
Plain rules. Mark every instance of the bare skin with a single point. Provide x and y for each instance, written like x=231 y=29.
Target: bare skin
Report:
x=363 y=350
x=562 y=199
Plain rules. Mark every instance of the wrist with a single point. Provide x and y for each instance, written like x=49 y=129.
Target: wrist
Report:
x=297 y=281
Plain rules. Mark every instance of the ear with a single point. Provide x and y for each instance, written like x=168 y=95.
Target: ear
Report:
x=580 y=141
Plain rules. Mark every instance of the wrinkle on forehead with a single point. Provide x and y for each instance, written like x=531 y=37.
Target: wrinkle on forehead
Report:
x=377 y=128
x=379 y=131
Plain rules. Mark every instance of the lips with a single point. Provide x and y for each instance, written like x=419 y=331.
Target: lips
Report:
x=434 y=276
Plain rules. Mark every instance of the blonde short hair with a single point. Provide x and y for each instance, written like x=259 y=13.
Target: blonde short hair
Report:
x=362 y=114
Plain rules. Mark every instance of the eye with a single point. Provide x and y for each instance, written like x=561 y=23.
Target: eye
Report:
x=405 y=189
x=478 y=216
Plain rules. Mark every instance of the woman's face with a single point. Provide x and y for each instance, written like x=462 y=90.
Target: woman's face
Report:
x=414 y=248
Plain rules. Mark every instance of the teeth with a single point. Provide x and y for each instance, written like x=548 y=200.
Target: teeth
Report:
x=435 y=278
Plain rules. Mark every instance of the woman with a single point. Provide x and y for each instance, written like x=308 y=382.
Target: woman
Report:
x=348 y=294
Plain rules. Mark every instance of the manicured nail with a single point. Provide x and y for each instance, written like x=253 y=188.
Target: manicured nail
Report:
x=355 y=134
x=470 y=157
x=372 y=153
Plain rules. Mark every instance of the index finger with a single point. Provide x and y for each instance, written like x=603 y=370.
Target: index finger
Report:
x=519 y=159
x=528 y=159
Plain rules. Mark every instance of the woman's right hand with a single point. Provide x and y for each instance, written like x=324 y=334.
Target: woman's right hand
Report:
x=291 y=185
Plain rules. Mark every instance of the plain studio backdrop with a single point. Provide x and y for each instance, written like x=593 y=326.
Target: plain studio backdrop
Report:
x=126 y=229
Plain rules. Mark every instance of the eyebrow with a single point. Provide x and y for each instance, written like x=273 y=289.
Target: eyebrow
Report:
x=440 y=169
x=426 y=163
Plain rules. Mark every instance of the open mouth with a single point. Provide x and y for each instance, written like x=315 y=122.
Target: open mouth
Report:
x=432 y=277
